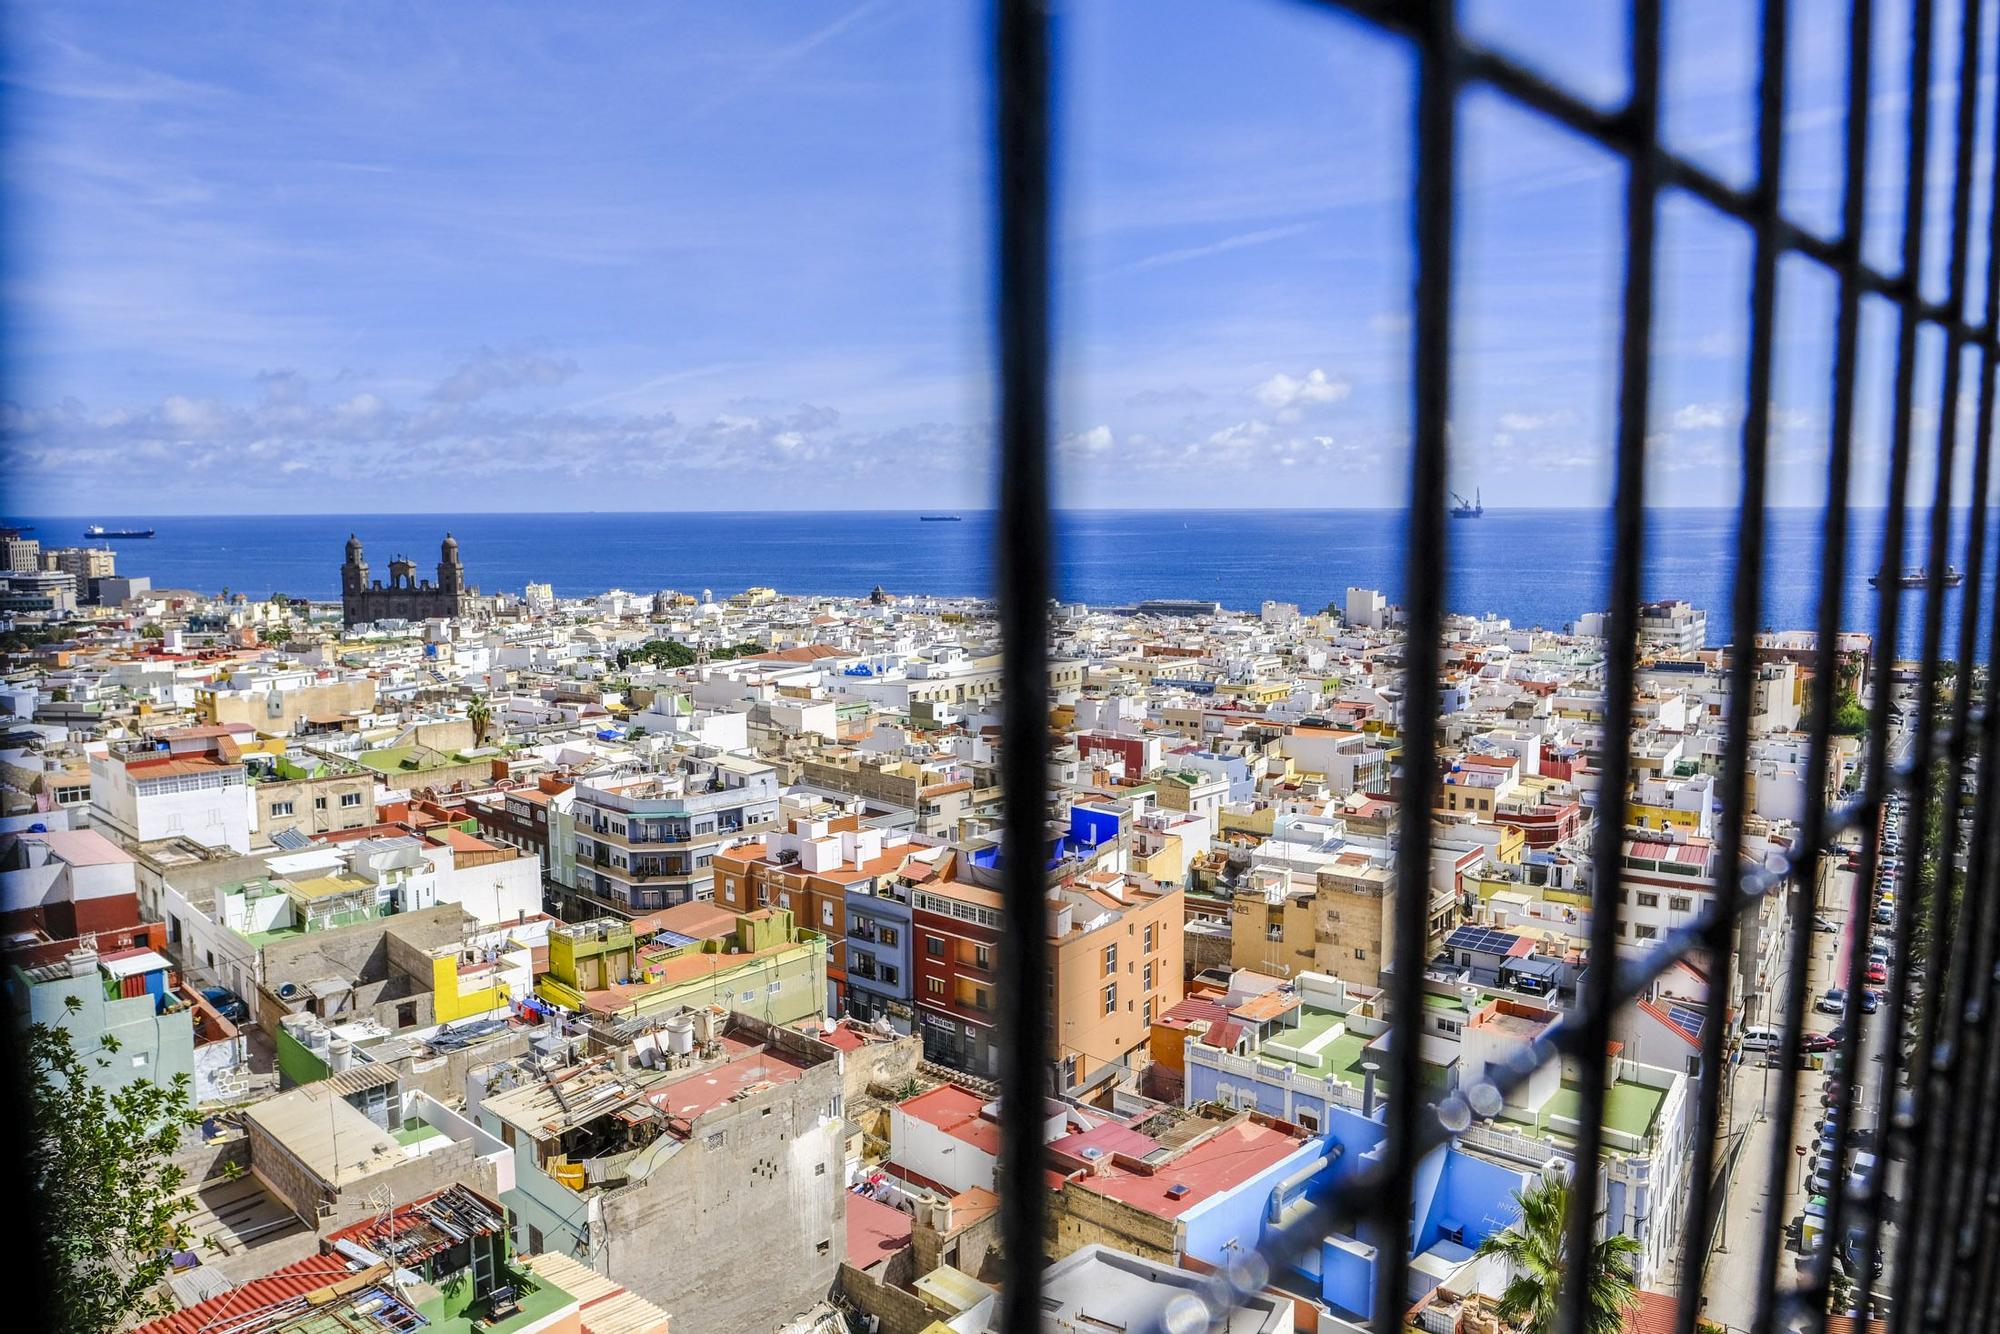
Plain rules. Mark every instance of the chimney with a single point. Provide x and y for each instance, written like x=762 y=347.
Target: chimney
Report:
x=1368 y=1069
x=82 y=961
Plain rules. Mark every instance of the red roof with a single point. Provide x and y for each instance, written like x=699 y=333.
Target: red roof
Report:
x=293 y=1281
x=1215 y=1165
x=874 y=1231
x=701 y=1090
x=956 y=1111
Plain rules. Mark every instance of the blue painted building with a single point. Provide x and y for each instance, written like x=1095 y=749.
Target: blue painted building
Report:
x=880 y=981
x=1460 y=1201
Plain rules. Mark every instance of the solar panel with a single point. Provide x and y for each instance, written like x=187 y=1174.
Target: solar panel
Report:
x=1689 y=1019
x=1482 y=939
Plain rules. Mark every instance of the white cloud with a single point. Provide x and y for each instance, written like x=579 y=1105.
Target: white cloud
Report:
x=1703 y=417
x=1537 y=421
x=1097 y=440
x=181 y=451
x=1283 y=393
x=487 y=371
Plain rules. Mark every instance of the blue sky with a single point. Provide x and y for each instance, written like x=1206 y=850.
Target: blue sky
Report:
x=531 y=257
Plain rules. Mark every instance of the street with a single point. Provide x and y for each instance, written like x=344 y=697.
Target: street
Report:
x=1733 y=1280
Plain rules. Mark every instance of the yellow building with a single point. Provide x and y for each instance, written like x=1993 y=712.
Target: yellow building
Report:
x=599 y=967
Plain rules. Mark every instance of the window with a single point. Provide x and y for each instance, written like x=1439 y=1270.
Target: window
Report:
x=980 y=999
x=1110 y=959
x=1150 y=928
x=1649 y=900
x=350 y=799
x=1147 y=975
x=935 y=985
x=1680 y=903
x=886 y=934
x=1308 y=1120
x=1146 y=1012
x=319 y=803
x=981 y=957
x=1361 y=954
x=1645 y=932
x=281 y=808
x=934 y=946
x=1111 y=999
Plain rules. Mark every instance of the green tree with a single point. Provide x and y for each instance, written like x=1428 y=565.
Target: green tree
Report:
x=151 y=631
x=1539 y=1266
x=479 y=713
x=1849 y=718
x=100 y=1162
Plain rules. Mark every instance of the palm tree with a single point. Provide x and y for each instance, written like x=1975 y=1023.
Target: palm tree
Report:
x=1538 y=1267
x=479 y=714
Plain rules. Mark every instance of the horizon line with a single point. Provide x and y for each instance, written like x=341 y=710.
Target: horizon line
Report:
x=1605 y=508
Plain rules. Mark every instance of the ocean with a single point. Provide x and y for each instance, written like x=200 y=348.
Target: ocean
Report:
x=1534 y=567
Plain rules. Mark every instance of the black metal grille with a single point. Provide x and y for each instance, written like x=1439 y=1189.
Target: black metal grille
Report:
x=1942 y=1138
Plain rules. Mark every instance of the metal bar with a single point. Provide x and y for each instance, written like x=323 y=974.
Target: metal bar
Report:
x=1744 y=618
x=1888 y=627
x=1610 y=129
x=1972 y=1213
x=1021 y=146
x=1595 y=989
x=1922 y=1248
x=1359 y=1196
x=1380 y=1192
x=1436 y=112
x=1980 y=1212
x=1437 y=107
x=1950 y=1055
x=1833 y=568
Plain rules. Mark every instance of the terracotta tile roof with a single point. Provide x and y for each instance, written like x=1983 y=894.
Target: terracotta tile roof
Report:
x=283 y=1285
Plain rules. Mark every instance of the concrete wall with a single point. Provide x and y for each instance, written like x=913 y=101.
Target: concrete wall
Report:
x=741 y=1232
x=1078 y=1217
x=898 y=1311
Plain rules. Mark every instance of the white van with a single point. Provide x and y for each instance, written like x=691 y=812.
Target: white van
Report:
x=1760 y=1038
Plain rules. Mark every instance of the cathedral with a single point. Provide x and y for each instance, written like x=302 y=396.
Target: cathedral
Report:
x=403 y=598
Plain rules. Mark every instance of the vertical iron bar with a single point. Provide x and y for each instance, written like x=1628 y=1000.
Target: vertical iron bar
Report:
x=1021 y=78
x=1954 y=1054
x=1641 y=122
x=1424 y=591
x=1888 y=630
x=1833 y=573
x=1929 y=1061
x=1745 y=615
x=1980 y=1210
x=1971 y=973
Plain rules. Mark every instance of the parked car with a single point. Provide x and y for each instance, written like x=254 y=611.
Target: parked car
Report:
x=1877 y=974
x=1825 y=926
x=1869 y=1000
x=1885 y=917
x=1818 y=1042
x=1833 y=1002
x=227 y=1003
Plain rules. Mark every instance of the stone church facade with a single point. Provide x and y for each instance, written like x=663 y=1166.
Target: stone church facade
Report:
x=404 y=598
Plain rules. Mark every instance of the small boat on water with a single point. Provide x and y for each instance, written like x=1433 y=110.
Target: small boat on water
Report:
x=99 y=530
x=1918 y=577
x=937 y=518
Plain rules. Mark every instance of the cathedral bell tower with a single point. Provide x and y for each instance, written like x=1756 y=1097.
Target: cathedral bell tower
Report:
x=451 y=573
x=354 y=572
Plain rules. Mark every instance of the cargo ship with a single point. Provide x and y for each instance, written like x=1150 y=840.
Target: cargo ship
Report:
x=99 y=530
x=937 y=518
x=1917 y=577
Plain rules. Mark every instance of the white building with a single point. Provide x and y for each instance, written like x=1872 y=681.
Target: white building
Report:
x=191 y=789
